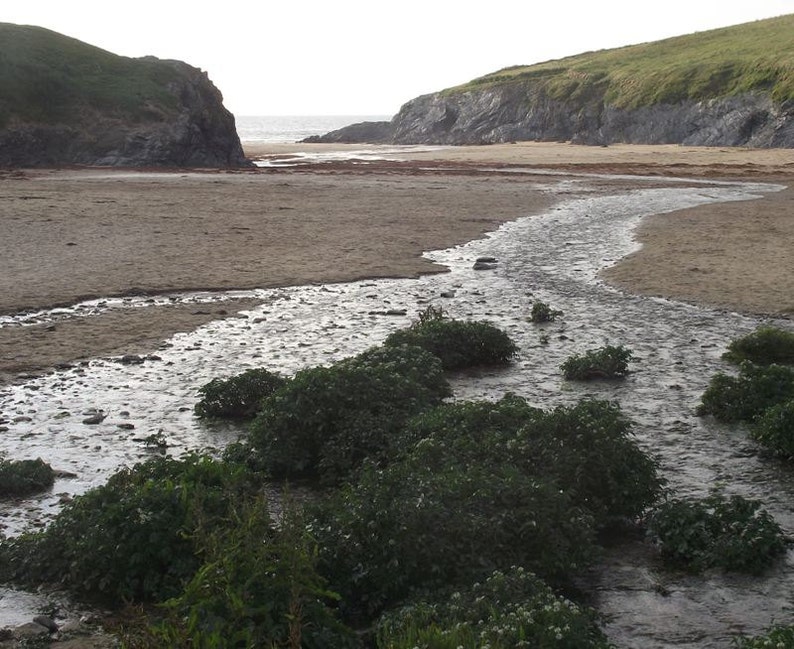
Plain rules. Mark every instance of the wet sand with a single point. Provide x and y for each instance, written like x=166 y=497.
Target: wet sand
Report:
x=72 y=234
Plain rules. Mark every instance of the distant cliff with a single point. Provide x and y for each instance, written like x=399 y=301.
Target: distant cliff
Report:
x=725 y=87
x=65 y=102
x=514 y=112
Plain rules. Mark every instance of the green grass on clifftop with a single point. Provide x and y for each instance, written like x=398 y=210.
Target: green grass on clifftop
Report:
x=50 y=78
x=757 y=56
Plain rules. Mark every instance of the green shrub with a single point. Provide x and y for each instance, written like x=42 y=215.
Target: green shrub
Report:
x=258 y=587
x=775 y=429
x=131 y=538
x=733 y=534
x=239 y=396
x=745 y=397
x=508 y=610
x=24 y=477
x=778 y=637
x=469 y=433
x=460 y=344
x=542 y=312
x=607 y=362
x=765 y=346
x=327 y=420
x=411 y=527
x=587 y=449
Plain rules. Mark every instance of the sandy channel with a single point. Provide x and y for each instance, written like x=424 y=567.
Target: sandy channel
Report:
x=72 y=234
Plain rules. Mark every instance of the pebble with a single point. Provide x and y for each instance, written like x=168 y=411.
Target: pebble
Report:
x=47 y=622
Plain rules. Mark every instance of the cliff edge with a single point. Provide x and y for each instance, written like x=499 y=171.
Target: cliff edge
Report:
x=725 y=87
x=66 y=102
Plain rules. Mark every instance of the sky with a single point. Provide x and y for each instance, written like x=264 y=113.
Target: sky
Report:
x=368 y=57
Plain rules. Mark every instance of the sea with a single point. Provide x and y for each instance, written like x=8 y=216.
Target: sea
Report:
x=285 y=129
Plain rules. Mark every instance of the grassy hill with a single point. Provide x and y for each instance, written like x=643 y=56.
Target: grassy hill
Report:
x=47 y=78
x=63 y=101
x=757 y=56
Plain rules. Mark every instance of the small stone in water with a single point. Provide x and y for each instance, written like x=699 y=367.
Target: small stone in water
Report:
x=131 y=359
x=95 y=419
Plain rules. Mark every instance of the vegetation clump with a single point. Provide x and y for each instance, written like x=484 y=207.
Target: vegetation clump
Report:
x=542 y=312
x=130 y=539
x=326 y=421
x=237 y=397
x=460 y=344
x=483 y=486
x=24 y=477
x=508 y=610
x=778 y=637
x=717 y=532
x=608 y=362
x=765 y=346
x=258 y=587
x=411 y=527
x=744 y=398
x=588 y=450
x=774 y=429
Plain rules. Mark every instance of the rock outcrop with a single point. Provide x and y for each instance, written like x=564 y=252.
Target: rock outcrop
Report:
x=370 y=132
x=515 y=112
x=715 y=88
x=113 y=111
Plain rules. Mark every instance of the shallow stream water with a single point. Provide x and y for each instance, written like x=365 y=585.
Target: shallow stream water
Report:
x=554 y=257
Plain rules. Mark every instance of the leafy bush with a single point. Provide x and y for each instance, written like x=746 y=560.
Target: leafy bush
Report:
x=542 y=312
x=765 y=346
x=327 y=420
x=469 y=433
x=508 y=610
x=778 y=637
x=607 y=362
x=484 y=486
x=775 y=429
x=745 y=397
x=131 y=538
x=239 y=396
x=411 y=527
x=587 y=450
x=24 y=477
x=733 y=534
x=460 y=344
x=258 y=587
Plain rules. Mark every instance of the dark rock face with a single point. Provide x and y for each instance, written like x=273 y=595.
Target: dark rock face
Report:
x=199 y=132
x=518 y=112
x=370 y=132
x=509 y=113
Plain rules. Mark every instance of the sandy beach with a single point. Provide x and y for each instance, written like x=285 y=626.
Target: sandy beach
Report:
x=72 y=234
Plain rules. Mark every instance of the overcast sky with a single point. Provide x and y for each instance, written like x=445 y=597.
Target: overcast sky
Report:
x=368 y=57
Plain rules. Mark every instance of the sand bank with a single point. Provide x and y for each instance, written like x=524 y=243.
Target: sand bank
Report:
x=71 y=234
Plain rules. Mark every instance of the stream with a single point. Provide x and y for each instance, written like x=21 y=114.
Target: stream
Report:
x=554 y=257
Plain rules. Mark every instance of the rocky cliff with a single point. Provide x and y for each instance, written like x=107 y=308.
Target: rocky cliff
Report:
x=511 y=113
x=66 y=102
x=726 y=87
